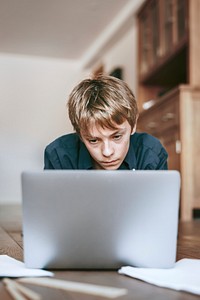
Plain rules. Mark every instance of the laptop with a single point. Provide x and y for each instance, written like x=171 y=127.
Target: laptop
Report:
x=78 y=219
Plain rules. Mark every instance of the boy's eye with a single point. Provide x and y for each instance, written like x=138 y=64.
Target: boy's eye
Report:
x=117 y=137
x=93 y=141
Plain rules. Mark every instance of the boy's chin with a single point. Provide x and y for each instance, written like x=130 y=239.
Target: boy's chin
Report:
x=112 y=167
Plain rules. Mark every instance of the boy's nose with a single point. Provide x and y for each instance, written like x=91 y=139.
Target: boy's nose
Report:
x=107 y=149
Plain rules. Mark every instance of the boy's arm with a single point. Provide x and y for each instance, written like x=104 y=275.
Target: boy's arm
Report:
x=160 y=160
x=163 y=165
x=47 y=162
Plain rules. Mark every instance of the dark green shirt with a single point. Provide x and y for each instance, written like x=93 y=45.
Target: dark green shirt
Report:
x=69 y=152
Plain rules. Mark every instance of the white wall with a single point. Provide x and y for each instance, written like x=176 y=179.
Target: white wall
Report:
x=33 y=94
x=123 y=54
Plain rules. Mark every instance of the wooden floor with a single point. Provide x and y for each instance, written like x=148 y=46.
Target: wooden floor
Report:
x=11 y=224
x=11 y=244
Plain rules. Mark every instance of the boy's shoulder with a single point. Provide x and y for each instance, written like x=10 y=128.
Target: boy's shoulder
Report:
x=66 y=141
x=150 y=153
x=146 y=140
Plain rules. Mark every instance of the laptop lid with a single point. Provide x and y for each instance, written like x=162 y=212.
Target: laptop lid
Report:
x=78 y=219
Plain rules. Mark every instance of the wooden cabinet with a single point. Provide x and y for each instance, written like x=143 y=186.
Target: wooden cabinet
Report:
x=163 y=32
x=175 y=121
x=169 y=87
x=163 y=47
x=163 y=122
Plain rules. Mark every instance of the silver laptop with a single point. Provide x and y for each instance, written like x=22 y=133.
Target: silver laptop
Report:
x=76 y=219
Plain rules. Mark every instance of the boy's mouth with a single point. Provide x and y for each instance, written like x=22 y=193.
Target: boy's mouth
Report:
x=111 y=162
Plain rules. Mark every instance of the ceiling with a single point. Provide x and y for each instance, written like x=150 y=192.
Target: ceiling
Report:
x=67 y=29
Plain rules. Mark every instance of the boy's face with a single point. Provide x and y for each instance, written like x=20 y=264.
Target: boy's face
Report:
x=108 y=147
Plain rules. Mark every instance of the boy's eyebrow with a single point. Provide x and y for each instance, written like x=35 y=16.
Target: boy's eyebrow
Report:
x=118 y=130
x=88 y=136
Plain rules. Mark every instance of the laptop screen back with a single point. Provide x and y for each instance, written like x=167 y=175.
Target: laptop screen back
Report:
x=79 y=219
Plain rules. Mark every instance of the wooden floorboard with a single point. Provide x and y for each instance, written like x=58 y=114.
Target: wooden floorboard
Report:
x=10 y=247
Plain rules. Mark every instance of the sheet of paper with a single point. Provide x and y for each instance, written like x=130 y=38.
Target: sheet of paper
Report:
x=185 y=276
x=10 y=267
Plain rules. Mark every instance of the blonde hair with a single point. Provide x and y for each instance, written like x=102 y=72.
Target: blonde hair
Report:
x=104 y=100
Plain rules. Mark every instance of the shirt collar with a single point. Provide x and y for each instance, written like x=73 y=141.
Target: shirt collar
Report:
x=130 y=158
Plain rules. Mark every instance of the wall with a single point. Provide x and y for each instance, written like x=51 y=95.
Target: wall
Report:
x=122 y=54
x=33 y=93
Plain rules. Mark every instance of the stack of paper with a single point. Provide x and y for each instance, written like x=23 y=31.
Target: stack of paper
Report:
x=185 y=275
x=10 y=267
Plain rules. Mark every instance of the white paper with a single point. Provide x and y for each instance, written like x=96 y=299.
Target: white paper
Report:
x=10 y=267
x=185 y=276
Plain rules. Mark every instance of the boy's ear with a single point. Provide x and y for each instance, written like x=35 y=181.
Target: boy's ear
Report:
x=133 y=129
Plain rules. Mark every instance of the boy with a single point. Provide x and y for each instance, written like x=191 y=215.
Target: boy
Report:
x=103 y=112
